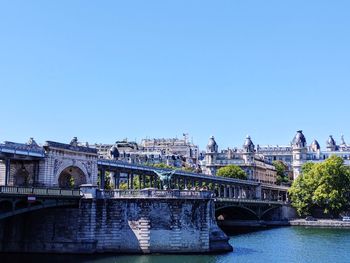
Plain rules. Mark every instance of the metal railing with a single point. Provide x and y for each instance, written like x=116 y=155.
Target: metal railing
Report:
x=243 y=200
x=147 y=193
x=16 y=190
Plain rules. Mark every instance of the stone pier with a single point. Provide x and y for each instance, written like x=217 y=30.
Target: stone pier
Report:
x=117 y=225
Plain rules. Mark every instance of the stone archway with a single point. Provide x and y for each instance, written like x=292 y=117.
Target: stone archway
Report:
x=21 y=177
x=71 y=177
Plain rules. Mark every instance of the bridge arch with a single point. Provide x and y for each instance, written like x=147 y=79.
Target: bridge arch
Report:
x=68 y=169
x=268 y=212
x=236 y=212
x=71 y=177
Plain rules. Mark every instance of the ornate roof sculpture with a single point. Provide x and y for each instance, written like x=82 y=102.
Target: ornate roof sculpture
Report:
x=212 y=145
x=114 y=153
x=31 y=142
x=342 y=141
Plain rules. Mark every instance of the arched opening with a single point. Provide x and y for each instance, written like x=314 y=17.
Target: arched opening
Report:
x=71 y=177
x=21 y=177
x=237 y=219
x=235 y=213
x=273 y=213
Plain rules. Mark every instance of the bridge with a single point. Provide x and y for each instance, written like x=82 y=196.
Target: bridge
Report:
x=54 y=200
x=48 y=173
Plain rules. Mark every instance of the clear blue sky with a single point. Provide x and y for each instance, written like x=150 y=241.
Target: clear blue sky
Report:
x=106 y=70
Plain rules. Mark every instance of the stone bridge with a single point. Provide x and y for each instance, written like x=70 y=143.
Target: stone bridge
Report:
x=60 y=185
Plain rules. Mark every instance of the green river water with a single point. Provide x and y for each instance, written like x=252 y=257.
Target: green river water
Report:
x=288 y=244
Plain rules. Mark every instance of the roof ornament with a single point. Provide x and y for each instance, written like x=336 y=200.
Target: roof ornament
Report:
x=74 y=142
x=342 y=140
x=165 y=178
x=32 y=142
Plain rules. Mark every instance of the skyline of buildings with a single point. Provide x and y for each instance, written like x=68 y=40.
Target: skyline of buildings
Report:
x=255 y=160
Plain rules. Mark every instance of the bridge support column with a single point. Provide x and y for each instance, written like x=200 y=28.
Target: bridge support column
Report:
x=7 y=171
x=225 y=191
x=155 y=185
x=116 y=180
x=185 y=184
x=200 y=183
x=258 y=193
x=143 y=181
x=132 y=181
x=230 y=191
x=111 y=178
x=102 y=178
x=35 y=173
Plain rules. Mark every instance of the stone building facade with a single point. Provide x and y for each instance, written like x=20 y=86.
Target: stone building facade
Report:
x=256 y=167
x=299 y=152
x=174 y=152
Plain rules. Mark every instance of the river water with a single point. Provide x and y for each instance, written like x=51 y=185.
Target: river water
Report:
x=288 y=244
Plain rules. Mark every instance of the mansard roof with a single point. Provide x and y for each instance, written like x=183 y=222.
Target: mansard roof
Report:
x=299 y=139
x=315 y=145
x=331 y=141
x=248 y=144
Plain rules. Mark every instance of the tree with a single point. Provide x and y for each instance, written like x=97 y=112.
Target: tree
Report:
x=282 y=172
x=324 y=185
x=232 y=171
x=302 y=189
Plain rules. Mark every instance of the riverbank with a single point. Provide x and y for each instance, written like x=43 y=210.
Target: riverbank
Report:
x=324 y=223
x=233 y=226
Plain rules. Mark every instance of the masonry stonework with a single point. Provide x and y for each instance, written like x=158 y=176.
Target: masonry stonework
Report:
x=118 y=226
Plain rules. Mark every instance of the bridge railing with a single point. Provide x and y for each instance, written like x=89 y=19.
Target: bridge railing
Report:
x=16 y=190
x=147 y=193
x=243 y=200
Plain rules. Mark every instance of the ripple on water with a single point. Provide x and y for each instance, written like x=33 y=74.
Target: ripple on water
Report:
x=289 y=244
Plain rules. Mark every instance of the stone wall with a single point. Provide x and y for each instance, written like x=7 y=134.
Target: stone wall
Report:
x=118 y=226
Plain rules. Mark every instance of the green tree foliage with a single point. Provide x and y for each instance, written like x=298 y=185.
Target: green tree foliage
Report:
x=232 y=171
x=71 y=182
x=188 y=169
x=282 y=172
x=160 y=165
x=325 y=185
